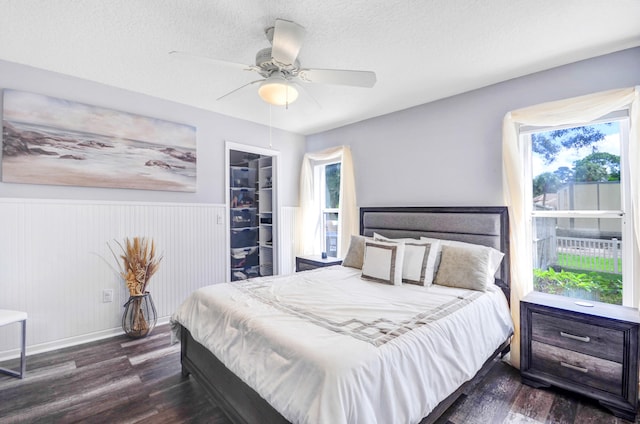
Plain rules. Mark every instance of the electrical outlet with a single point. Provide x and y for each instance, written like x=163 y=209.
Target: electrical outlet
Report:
x=219 y=219
x=107 y=295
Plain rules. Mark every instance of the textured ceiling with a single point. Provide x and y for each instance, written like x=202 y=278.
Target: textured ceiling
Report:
x=421 y=50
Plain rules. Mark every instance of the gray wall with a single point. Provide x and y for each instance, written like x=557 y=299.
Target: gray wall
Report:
x=212 y=131
x=449 y=152
x=441 y=153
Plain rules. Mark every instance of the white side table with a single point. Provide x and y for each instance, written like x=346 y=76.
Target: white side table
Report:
x=9 y=317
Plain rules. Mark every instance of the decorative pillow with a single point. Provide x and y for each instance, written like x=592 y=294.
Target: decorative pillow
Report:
x=355 y=255
x=495 y=256
x=414 y=263
x=383 y=262
x=419 y=259
x=464 y=267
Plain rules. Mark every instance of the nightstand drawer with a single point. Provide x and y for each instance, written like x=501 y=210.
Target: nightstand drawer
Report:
x=590 y=339
x=305 y=266
x=591 y=350
x=580 y=368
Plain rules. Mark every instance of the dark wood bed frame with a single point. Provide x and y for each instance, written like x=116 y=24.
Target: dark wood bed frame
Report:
x=244 y=405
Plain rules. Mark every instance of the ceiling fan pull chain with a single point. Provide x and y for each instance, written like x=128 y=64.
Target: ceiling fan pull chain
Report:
x=270 y=128
x=286 y=94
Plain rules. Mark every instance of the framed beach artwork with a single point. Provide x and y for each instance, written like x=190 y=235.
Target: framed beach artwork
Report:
x=46 y=140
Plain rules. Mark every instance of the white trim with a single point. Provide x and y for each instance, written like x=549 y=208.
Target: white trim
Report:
x=629 y=290
x=577 y=214
x=104 y=202
x=275 y=207
x=524 y=132
x=320 y=191
x=69 y=342
x=232 y=145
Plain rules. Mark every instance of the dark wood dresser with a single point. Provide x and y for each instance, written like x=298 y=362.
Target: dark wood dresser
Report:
x=305 y=263
x=591 y=350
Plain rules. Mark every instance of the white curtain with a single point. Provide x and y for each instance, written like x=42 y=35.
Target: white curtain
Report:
x=311 y=220
x=579 y=110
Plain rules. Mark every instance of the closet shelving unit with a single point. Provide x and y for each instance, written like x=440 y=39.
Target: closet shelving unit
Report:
x=265 y=212
x=251 y=212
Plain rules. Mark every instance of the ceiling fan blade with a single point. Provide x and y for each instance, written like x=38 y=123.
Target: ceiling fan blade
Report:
x=306 y=94
x=209 y=60
x=338 y=76
x=239 y=88
x=287 y=40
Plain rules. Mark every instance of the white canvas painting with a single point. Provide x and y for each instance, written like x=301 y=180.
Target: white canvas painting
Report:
x=46 y=140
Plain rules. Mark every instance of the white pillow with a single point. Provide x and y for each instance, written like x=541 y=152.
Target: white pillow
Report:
x=414 y=264
x=383 y=262
x=419 y=259
x=495 y=256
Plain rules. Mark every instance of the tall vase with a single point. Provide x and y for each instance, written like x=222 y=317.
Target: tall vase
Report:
x=139 y=316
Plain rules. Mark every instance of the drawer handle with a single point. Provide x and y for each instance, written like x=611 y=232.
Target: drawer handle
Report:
x=585 y=339
x=573 y=367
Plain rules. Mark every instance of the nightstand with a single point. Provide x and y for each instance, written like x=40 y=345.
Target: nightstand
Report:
x=305 y=263
x=591 y=350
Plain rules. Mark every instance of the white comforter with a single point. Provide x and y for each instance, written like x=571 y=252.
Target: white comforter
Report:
x=293 y=340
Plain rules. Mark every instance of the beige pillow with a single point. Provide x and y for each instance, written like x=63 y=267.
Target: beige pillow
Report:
x=495 y=256
x=464 y=267
x=383 y=262
x=355 y=254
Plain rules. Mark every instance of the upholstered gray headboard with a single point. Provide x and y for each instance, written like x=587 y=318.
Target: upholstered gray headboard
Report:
x=485 y=225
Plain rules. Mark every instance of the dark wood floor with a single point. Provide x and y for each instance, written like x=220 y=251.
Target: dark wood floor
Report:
x=120 y=380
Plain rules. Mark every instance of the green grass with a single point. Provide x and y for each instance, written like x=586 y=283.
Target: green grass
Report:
x=588 y=262
x=603 y=286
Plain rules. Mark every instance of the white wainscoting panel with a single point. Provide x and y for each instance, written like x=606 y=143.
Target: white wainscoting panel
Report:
x=288 y=239
x=55 y=264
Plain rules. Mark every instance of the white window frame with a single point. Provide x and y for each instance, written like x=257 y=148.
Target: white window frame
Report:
x=320 y=189
x=627 y=251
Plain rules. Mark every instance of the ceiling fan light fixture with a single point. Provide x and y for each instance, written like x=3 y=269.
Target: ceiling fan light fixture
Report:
x=277 y=91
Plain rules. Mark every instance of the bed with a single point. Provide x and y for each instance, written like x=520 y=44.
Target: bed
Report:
x=321 y=370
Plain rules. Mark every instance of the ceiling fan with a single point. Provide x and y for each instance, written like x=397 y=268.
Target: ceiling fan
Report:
x=282 y=75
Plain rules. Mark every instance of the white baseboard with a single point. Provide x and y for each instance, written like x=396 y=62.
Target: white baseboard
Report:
x=68 y=342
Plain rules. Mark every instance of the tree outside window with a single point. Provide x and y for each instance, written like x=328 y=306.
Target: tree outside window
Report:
x=577 y=211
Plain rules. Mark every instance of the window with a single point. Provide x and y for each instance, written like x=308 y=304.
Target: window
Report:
x=579 y=204
x=329 y=191
x=327 y=185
